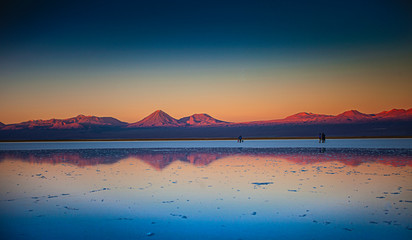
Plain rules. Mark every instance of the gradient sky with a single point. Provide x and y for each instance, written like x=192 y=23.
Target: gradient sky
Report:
x=236 y=60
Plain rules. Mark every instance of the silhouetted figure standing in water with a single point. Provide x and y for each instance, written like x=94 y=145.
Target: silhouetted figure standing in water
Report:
x=320 y=137
x=239 y=139
x=323 y=137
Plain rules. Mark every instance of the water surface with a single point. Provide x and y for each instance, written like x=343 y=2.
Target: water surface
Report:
x=395 y=143
x=206 y=193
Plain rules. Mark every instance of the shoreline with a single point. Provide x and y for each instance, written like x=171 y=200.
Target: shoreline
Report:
x=202 y=139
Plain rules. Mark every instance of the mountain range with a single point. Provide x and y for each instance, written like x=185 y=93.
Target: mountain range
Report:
x=396 y=122
x=352 y=116
x=81 y=121
x=161 y=119
x=156 y=119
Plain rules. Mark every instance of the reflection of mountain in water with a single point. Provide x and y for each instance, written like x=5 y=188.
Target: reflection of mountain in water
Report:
x=160 y=158
x=157 y=158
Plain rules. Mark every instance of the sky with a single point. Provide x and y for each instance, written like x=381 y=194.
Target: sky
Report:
x=235 y=60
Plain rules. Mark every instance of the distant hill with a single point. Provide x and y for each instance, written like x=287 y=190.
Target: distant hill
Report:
x=352 y=116
x=79 y=122
x=396 y=122
x=394 y=114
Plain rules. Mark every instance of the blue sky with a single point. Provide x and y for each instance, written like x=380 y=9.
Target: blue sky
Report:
x=91 y=47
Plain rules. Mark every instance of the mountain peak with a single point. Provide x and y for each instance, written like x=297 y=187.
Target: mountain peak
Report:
x=159 y=111
x=300 y=114
x=156 y=119
x=82 y=117
x=353 y=114
x=200 y=119
x=307 y=117
x=395 y=113
x=201 y=115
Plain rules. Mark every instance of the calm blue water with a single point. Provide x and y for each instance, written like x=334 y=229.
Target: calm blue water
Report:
x=307 y=143
x=199 y=192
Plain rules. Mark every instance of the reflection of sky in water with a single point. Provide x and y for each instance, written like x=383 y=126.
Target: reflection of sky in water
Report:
x=226 y=193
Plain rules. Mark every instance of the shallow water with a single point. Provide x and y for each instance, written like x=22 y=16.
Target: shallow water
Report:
x=287 y=143
x=206 y=193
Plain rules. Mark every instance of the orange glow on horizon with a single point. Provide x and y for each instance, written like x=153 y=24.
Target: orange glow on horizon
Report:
x=231 y=93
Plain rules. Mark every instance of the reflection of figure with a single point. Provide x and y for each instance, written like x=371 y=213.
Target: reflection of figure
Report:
x=320 y=137
x=322 y=150
x=323 y=137
x=239 y=139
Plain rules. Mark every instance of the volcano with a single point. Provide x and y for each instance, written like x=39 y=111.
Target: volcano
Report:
x=157 y=119
x=201 y=120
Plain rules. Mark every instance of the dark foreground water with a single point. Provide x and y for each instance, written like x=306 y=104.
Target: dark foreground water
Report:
x=206 y=193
